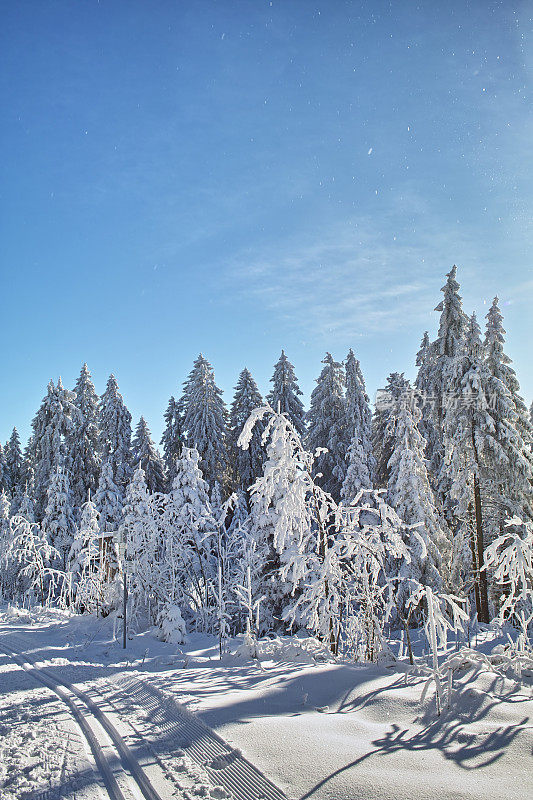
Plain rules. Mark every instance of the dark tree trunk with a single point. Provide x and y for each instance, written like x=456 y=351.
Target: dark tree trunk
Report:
x=475 y=569
x=483 y=588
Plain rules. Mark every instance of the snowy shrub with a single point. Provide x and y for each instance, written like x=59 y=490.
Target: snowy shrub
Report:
x=299 y=649
x=172 y=625
x=30 y=548
x=248 y=648
x=443 y=615
x=511 y=558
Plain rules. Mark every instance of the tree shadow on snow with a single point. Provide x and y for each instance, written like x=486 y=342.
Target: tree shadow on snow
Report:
x=450 y=733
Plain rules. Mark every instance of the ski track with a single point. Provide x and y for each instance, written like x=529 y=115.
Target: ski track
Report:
x=223 y=764
x=104 y=761
x=184 y=735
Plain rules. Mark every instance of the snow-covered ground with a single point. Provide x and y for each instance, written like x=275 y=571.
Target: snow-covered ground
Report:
x=291 y=722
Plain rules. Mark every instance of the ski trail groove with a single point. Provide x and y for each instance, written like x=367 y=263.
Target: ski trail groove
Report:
x=224 y=765
x=129 y=762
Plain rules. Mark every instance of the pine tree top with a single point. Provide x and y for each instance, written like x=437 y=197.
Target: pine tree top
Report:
x=452 y=319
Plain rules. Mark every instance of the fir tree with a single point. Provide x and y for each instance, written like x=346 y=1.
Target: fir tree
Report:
x=85 y=443
x=397 y=386
x=280 y=517
x=327 y=426
x=58 y=521
x=286 y=393
x=28 y=467
x=215 y=498
x=6 y=538
x=248 y=463
x=358 y=414
x=411 y=496
x=448 y=346
x=189 y=530
x=172 y=439
x=146 y=456
x=205 y=421
x=108 y=502
x=425 y=361
x=470 y=448
x=4 y=477
x=54 y=426
x=139 y=532
x=85 y=560
x=357 y=475
x=13 y=462
x=115 y=430
x=26 y=508
x=514 y=431
x=442 y=358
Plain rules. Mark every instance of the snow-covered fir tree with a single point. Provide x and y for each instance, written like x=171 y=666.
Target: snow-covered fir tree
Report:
x=410 y=494
x=85 y=460
x=471 y=451
x=447 y=347
x=205 y=421
x=28 y=467
x=172 y=439
x=442 y=357
x=115 y=430
x=327 y=427
x=6 y=538
x=514 y=431
x=108 y=502
x=26 y=508
x=397 y=386
x=13 y=463
x=280 y=516
x=58 y=521
x=425 y=361
x=215 y=498
x=140 y=534
x=4 y=477
x=144 y=454
x=285 y=394
x=54 y=425
x=358 y=413
x=357 y=474
x=247 y=463
x=189 y=530
x=85 y=559
x=243 y=563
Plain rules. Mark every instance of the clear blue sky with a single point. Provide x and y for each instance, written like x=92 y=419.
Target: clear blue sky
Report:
x=237 y=177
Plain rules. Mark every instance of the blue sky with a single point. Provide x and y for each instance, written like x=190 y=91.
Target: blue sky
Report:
x=237 y=177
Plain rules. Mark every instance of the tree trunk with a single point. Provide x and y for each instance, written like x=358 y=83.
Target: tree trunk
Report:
x=475 y=569
x=483 y=588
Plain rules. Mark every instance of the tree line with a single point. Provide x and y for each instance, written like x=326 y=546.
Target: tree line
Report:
x=265 y=515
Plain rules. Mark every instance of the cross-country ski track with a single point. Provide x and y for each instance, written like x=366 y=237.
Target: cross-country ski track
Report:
x=125 y=775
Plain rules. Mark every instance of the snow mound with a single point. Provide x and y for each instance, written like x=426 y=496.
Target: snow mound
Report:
x=301 y=650
x=16 y=615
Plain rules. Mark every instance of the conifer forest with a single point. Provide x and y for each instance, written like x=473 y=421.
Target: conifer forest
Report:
x=266 y=517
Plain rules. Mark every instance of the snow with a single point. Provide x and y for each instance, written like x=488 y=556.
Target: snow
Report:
x=316 y=727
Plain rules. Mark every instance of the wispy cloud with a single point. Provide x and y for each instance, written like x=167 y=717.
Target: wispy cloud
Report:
x=359 y=278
